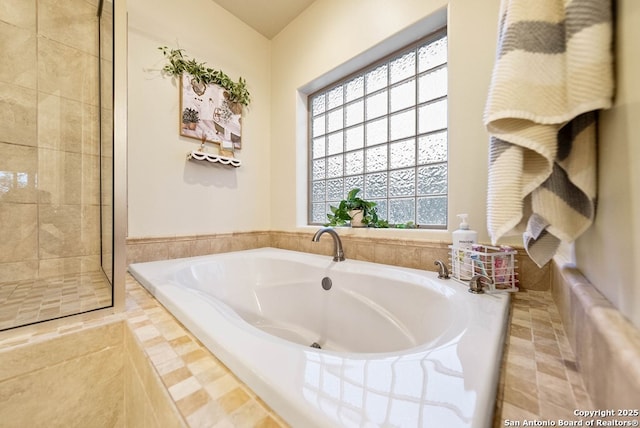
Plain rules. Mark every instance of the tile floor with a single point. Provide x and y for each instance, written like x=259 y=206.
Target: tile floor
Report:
x=29 y=301
x=539 y=377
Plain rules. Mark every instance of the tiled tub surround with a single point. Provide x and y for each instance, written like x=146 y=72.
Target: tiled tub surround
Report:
x=568 y=349
x=133 y=369
x=385 y=329
x=164 y=361
x=94 y=375
x=541 y=376
x=74 y=379
x=539 y=379
x=411 y=253
x=606 y=344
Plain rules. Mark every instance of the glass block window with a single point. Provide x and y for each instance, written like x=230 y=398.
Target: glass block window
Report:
x=384 y=131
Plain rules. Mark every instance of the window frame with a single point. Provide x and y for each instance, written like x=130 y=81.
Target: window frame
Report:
x=434 y=36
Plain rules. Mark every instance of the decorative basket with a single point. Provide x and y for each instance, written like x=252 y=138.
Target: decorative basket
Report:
x=497 y=263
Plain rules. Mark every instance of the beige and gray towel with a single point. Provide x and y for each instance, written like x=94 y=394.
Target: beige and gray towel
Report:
x=553 y=71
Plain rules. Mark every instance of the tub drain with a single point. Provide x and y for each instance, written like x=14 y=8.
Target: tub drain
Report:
x=316 y=345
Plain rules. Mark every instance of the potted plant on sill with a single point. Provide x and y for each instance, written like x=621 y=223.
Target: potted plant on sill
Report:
x=360 y=213
x=353 y=209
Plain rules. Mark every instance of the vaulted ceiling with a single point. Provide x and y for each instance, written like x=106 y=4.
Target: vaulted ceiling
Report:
x=268 y=17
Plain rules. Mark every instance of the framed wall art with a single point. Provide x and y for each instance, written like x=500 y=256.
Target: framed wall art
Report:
x=207 y=114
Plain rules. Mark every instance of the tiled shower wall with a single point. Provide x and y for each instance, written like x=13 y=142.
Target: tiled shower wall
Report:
x=49 y=138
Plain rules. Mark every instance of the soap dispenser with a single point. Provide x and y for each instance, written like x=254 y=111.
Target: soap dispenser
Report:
x=463 y=240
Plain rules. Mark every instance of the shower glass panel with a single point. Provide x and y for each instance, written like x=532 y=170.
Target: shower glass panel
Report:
x=56 y=159
x=105 y=13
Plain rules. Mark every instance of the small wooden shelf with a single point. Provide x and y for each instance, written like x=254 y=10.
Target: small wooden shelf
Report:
x=209 y=157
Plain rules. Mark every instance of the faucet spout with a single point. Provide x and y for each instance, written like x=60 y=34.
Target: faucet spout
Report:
x=337 y=243
x=443 y=272
x=476 y=285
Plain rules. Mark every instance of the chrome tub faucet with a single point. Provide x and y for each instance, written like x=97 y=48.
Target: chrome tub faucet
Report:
x=478 y=282
x=337 y=243
x=443 y=272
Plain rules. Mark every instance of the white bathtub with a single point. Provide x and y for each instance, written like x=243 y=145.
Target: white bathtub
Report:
x=400 y=347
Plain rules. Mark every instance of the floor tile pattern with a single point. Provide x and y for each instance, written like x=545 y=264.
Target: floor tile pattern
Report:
x=29 y=301
x=539 y=376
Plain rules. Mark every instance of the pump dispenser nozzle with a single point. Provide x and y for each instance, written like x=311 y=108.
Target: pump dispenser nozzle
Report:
x=463 y=221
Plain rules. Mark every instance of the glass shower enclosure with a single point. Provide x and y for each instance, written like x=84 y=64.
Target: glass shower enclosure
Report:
x=56 y=159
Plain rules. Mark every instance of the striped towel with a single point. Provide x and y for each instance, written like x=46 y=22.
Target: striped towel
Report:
x=553 y=71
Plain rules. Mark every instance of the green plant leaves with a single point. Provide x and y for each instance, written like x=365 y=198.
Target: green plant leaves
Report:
x=179 y=64
x=352 y=194
x=340 y=215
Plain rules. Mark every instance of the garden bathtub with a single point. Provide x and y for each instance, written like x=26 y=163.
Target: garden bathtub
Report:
x=398 y=346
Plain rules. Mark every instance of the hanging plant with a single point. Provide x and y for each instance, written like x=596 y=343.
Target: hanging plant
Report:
x=179 y=63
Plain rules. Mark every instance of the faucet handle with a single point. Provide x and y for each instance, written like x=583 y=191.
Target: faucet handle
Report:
x=443 y=272
x=476 y=285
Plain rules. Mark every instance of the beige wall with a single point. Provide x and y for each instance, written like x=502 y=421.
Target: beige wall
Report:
x=318 y=47
x=609 y=252
x=49 y=160
x=168 y=195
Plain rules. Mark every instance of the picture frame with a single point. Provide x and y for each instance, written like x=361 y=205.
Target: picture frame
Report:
x=205 y=111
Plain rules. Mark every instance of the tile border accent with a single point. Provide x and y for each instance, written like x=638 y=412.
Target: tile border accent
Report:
x=412 y=253
x=606 y=344
x=147 y=401
x=539 y=379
